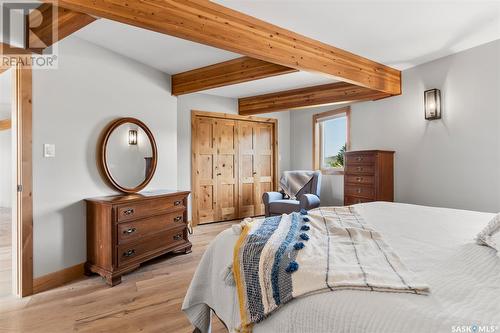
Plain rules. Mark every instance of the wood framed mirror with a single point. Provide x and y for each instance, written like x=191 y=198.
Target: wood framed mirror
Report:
x=127 y=155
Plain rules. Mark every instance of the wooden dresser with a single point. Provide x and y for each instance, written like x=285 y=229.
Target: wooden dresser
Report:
x=124 y=231
x=368 y=176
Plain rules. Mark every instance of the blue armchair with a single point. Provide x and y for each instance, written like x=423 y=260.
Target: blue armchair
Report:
x=307 y=198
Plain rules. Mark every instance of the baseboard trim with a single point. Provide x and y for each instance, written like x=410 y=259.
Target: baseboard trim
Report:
x=57 y=279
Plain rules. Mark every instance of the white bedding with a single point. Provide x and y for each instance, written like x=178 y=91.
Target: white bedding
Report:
x=436 y=243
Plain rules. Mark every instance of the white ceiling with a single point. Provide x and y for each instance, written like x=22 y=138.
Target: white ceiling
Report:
x=400 y=33
x=271 y=84
x=169 y=54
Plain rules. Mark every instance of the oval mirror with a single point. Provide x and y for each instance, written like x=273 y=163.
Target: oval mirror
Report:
x=128 y=155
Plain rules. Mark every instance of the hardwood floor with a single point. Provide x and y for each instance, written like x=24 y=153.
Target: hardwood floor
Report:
x=5 y=252
x=148 y=300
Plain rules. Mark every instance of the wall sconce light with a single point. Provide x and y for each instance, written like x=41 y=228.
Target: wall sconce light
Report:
x=132 y=137
x=432 y=104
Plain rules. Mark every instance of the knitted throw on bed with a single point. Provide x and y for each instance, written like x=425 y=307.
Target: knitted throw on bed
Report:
x=284 y=257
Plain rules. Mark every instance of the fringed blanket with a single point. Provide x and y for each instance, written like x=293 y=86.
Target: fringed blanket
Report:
x=281 y=258
x=291 y=182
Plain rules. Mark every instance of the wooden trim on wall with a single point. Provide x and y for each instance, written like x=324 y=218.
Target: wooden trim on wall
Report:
x=22 y=98
x=234 y=71
x=316 y=130
x=195 y=219
x=197 y=113
x=5 y=124
x=57 y=279
x=212 y=24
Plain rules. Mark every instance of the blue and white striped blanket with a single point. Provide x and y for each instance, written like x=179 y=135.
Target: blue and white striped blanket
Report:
x=284 y=257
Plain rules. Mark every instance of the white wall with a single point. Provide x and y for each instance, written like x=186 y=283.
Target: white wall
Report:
x=5 y=141
x=204 y=102
x=453 y=162
x=71 y=106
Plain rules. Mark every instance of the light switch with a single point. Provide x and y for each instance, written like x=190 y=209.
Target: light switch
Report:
x=49 y=150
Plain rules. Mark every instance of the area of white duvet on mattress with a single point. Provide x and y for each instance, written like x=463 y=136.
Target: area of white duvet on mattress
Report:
x=436 y=243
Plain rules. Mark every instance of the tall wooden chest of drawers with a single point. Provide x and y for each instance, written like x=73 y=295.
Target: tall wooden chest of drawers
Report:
x=124 y=231
x=368 y=176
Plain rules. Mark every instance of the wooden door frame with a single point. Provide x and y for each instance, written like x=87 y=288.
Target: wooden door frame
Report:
x=219 y=115
x=22 y=96
x=317 y=134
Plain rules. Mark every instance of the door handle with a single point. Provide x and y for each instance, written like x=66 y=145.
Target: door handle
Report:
x=129 y=231
x=219 y=174
x=129 y=253
x=129 y=211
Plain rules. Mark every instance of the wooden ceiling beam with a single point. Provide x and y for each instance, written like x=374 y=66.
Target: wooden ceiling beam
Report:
x=325 y=94
x=42 y=24
x=209 y=23
x=40 y=27
x=225 y=73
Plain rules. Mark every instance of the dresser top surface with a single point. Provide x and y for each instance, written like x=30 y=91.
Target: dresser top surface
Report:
x=124 y=198
x=370 y=151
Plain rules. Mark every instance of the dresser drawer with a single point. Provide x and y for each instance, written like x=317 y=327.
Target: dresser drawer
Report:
x=150 y=246
x=350 y=200
x=360 y=169
x=133 y=230
x=137 y=210
x=359 y=159
x=360 y=191
x=367 y=180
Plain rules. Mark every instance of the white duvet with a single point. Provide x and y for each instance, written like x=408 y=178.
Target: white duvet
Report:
x=436 y=243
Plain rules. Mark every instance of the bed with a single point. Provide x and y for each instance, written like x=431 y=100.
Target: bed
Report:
x=435 y=243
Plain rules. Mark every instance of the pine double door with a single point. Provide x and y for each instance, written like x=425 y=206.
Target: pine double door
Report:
x=233 y=164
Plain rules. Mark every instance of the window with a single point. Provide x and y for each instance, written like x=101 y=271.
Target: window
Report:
x=331 y=139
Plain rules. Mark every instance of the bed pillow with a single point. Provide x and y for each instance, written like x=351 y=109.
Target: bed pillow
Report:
x=490 y=235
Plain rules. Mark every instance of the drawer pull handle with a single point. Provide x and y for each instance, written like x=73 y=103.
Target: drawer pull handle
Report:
x=178 y=218
x=177 y=203
x=129 y=253
x=359 y=179
x=360 y=169
x=129 y=231
x=359 y=190
x=129 y=211
x=178 y=237
x=359 y=159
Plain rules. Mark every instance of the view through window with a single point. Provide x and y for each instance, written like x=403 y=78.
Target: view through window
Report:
x=331 y=139
x=334 y=141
